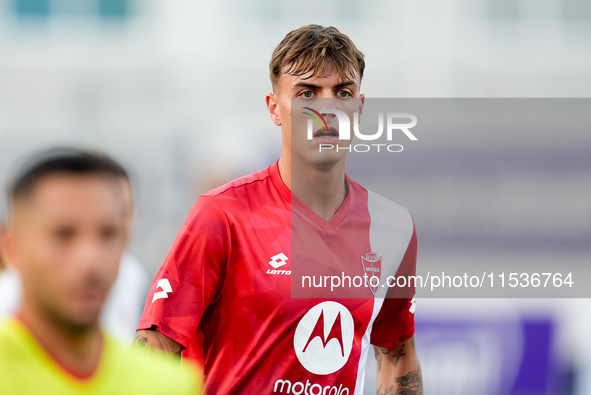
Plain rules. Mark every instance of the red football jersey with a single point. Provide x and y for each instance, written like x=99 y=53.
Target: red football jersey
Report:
x=224 y=291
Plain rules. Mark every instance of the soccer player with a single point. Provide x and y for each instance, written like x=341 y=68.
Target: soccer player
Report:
x=123 y=307
x=65 y=235
x=223 y=293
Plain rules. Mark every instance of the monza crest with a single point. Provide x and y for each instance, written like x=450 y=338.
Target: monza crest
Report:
x=372 y=266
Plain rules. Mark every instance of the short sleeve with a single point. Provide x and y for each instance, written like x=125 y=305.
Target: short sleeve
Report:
x=192 y=275
x=395 y=321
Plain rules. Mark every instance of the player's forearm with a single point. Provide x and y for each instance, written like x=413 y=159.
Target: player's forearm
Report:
x=404 y=382
x=398 y=371
x=150 y=339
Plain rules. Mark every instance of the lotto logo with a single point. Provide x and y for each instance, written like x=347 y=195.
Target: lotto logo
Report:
x=164 y=285
x=278 y=260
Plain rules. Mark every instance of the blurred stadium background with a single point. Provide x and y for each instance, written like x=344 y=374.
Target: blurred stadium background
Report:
x=175 y=91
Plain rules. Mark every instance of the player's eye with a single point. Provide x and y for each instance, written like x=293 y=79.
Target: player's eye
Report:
x=109 y=232
x=344 y=94
x=64 y=234
x=307 y=94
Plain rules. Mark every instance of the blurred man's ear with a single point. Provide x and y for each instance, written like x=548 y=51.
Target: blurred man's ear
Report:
x=5 y=245
x=2 y=258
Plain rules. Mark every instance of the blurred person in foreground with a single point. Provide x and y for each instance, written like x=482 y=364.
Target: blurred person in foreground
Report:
x=65 y=235
x=10 y=284
x=223 y=294
x=122 y=310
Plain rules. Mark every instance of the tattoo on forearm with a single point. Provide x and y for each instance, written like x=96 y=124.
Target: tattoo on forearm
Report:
x=141 y=342
x=409 y=384
x=413 y=378
x=149 y=340
x=380 y=352
x=394 y=355
x=398 y=355
x=378 y=358
x=383 y=350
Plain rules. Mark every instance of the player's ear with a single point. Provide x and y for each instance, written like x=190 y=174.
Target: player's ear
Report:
x=361 y=104
x=273 y=108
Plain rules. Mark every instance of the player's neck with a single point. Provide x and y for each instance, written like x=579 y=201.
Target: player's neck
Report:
x=76 y=351
x=321 y=188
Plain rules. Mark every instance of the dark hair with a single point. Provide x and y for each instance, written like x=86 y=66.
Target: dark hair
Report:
x=63 y=160
x=312 y=48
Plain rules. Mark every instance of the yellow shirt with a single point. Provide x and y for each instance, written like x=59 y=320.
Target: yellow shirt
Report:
x=26 y=368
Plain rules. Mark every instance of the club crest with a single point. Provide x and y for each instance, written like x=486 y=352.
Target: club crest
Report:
x=372 y=266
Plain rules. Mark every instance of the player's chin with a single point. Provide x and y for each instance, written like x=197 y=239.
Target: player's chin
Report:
x=73 y=317
x=83 y=320
x=85 y=313
x=326 y=157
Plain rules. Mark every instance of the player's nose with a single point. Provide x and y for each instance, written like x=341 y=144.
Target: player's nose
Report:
x=89 y=256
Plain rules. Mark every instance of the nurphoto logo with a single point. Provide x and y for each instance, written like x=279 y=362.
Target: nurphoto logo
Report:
x=395 y=123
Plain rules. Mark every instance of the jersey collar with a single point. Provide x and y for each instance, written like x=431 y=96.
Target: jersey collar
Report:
x=300 y=207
